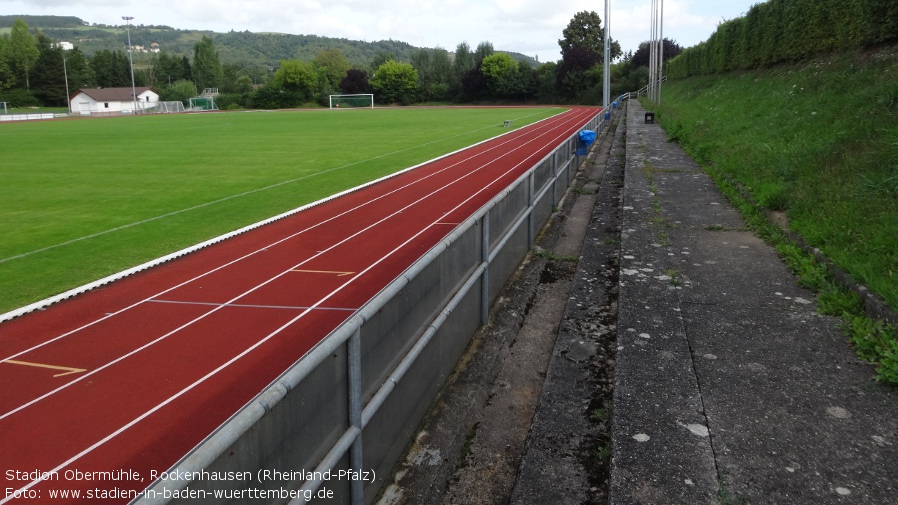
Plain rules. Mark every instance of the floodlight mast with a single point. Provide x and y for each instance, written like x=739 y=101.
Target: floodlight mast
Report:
x=131 y=61
x=606 y=74
x=660 y=50
x=652 y=59
x=656 y=52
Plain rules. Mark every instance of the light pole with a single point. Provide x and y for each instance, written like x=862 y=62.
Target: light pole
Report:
x=606 y=84
x=65 y=73
x=656 y=52
x=131 y=61
x=660 y=50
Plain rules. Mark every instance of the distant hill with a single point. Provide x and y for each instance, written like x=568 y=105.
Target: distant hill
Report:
x=244 y=48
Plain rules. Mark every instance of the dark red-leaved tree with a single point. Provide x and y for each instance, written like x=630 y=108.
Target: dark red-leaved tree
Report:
x=356 y=81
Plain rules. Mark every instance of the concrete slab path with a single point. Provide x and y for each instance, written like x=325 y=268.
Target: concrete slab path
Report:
x=730 y=387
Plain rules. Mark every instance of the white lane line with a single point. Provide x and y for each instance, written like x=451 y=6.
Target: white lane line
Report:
x=264 y=340
x=249 y=306
x=508 y=140
x=272 y=279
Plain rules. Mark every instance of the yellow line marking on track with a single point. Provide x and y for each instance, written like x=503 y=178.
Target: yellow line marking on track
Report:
x=338 y=274
x=68 y=370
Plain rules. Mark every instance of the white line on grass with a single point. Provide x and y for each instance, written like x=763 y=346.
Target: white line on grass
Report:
x=120 y=275
x=231 y=197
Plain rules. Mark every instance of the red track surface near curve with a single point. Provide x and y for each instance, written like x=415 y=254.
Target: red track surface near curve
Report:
x=130 y=377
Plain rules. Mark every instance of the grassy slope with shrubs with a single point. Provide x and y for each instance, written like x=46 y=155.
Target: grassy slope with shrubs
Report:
x=817 y=140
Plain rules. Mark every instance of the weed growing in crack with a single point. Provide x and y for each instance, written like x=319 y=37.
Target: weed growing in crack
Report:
x=724 y=498
x=549 y=255
x=674 y=275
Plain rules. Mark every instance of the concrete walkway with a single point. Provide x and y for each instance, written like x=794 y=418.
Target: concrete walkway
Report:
x=730 y=387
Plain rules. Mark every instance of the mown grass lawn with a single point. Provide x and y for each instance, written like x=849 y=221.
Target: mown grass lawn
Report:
x=84 y=198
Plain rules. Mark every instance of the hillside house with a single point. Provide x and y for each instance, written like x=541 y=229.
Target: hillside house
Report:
x=113 y=101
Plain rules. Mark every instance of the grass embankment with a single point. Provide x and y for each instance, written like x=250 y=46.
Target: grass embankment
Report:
x=82 y=199
x=818 y=141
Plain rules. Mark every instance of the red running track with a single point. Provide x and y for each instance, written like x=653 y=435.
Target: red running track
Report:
x=132 y=376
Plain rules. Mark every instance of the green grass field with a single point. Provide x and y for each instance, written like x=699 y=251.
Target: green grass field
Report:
x=82 y=199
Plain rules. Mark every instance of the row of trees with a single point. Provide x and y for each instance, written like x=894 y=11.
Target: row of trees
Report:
x=431 y=75
x=790 y=30
x=33 y=71
x=467 y=75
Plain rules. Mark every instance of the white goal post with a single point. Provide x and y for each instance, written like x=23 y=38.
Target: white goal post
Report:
x=202 y=103
x=170 y=107
x=352 y=101
x=3 y=109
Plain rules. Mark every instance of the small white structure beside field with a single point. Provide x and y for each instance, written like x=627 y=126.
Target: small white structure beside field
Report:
x=113 y=101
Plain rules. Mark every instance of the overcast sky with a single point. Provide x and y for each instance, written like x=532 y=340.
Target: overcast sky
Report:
x=531 y=27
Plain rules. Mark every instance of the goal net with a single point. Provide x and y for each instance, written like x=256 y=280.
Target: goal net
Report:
x=3 y=109
x=202 y=103
x=352 y=101
x=170 y=107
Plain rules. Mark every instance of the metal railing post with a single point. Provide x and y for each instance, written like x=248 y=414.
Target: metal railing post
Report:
x=354 y=356
x=531 y=194
x=555 y=177
x=485 y=278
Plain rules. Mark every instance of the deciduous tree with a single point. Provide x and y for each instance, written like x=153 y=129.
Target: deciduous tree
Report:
x=395 y=82
x=641 y=57
x=483 y=50
x=498 y=70
x=356 y=81
x=334 y=64
x=179 y=90
x=7 y=77
x=207 y=71
x=585 y=30
x=297 y=76
x=23 y=51
x=574 y=72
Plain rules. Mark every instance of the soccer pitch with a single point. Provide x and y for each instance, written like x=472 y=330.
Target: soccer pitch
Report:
x=82 y=199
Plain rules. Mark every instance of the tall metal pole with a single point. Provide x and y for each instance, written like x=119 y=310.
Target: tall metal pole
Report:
x=656 y=52
x=651 y=88
x=606 y=85
x=65 y=73
x=661 y=51
x=131 y=61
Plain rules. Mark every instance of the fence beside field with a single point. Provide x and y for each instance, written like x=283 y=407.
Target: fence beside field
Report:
x=345 y=412
x=30 y=117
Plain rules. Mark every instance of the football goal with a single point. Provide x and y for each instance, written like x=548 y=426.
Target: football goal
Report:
x=3 y=109
x=202 y=103
x=352 y=101
x=170 y=107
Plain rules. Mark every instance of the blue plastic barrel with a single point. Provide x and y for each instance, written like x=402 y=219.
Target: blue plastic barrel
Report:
x=586 y=138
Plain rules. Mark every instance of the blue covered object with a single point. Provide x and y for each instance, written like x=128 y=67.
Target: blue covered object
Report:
x=587 y=137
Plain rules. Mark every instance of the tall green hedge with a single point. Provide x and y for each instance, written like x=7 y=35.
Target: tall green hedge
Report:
x=788 y=30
